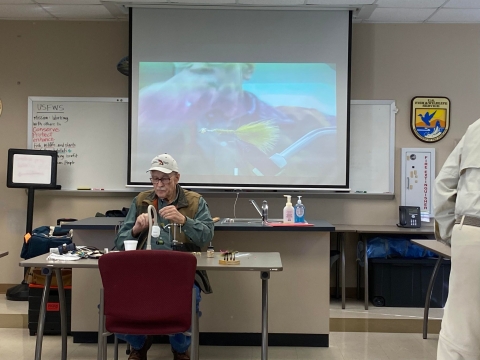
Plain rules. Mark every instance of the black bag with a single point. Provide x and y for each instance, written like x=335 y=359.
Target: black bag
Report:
x=43 y=238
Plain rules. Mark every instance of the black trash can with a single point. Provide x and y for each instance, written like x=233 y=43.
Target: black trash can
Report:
x=404 y=282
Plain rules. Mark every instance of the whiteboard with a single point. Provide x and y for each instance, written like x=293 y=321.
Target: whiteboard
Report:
x=90 y=136
x=372 y=145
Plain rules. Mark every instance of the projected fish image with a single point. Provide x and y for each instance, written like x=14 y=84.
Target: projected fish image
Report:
x=247 y=120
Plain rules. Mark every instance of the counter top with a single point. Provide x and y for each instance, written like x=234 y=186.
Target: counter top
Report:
x=95 y=223
x=318 y=225
x=110 y=223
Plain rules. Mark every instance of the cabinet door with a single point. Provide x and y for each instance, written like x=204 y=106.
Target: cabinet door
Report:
x=418 y=175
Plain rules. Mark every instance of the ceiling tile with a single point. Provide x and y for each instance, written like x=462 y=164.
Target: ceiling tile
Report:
x=272 y=2
x=205 y=2
x=140 y=1
x=340 y=2
x=456 y=16
x=21 y=12
x=16 y=2
x=78 y=11
x=410 y=3
x=463 y=4
x=68 y=2
x=395 y=15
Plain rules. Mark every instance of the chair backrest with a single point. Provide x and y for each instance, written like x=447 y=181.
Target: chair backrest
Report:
x=148 y=292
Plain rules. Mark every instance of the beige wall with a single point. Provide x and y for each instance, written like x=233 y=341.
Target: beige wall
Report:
x=79 y=58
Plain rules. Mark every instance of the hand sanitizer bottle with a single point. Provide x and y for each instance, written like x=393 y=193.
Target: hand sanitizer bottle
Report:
x=288 y=211
x=299 y=211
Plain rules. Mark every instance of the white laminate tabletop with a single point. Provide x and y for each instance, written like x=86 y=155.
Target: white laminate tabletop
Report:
x=393 y=229
x=249 y=261
x=345 y=228
x=435 y=246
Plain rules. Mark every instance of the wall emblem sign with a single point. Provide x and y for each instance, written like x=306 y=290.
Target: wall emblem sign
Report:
x=430 y=118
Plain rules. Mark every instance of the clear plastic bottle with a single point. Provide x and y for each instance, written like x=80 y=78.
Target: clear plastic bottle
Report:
x=288 y=216
x=299 y=211
x=210 y=251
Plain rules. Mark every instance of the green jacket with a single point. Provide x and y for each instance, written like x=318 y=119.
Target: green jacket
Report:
x=196 y=232
x=186 y=204
x=198 y=228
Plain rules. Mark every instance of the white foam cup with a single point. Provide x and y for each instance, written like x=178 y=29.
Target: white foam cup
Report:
x=130 y=244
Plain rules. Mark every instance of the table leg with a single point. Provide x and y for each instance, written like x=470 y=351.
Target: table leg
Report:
x=342 y=245
x=195 y=329
x=366 y=271
x=337 y=269
x=359 y=268
x=115 y=347
x=265 y=275
x=43 y=311
x=101 y=327
x=428 y=296
x=63 y=311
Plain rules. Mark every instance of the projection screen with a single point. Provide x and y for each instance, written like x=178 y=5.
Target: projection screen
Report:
x=242 y=99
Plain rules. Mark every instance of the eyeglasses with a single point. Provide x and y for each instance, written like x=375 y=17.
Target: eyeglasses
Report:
x=164 y=180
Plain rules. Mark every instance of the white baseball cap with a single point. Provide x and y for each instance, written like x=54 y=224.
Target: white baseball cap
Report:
x=164 y=163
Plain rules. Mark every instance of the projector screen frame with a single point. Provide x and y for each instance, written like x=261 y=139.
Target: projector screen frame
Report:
x=242 y=186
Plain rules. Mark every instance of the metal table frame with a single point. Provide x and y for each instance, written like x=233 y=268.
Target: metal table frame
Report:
x=253 y=262
x=444 y=252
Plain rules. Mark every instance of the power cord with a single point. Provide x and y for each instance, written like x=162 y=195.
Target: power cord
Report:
x=235 y=206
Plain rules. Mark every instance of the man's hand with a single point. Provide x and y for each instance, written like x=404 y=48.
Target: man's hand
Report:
x=140 y=224
x=171 y=213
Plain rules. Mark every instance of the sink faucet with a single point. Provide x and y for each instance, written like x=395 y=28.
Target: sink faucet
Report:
x=263 y=212
x=256 y=206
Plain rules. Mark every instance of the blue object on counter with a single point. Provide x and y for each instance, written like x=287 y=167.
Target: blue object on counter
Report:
x=299 y=211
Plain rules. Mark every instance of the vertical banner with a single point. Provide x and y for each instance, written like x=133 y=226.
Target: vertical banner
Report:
x=418 y=176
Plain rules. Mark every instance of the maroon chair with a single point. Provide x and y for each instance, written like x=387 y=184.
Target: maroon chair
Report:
x=147 y=292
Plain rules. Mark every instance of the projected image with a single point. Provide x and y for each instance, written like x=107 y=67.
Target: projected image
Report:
x=240 y=122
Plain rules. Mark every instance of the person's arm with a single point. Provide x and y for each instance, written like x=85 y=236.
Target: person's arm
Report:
x=445 y=195
x=200 y=228
x=125 y=232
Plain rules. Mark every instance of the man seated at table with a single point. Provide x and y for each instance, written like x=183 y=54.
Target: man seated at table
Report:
x=174 y=205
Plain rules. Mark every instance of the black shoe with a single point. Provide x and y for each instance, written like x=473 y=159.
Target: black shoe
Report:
x=142 y=353
x=180 y=356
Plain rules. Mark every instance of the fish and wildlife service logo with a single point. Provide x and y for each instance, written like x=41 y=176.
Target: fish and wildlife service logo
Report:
x=430 y=118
